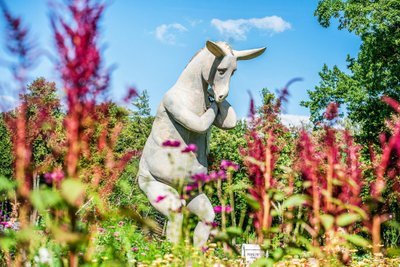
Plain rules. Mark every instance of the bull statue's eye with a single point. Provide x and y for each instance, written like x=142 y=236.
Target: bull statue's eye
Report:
x=221 y=71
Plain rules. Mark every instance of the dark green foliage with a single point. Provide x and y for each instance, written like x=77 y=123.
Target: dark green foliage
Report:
x=6 y=158
x=133 y=137
x=135 y=132
x=225 y=145
x=373 y=73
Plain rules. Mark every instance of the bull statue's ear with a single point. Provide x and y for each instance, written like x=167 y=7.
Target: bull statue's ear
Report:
x=248 y=54
x=215 y=49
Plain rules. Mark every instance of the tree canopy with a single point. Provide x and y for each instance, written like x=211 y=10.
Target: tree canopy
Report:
x=375 y=71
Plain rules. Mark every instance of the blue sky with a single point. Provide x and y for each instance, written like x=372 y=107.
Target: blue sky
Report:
x=150 y=42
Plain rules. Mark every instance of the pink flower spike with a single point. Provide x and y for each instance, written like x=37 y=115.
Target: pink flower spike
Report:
x=132 y=92
x=190 y=148
x=134 y=249
x=160 y=198
x=171 y=143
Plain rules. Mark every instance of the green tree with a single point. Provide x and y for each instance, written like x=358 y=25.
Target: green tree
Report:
x=44 y=129
x=373 y=73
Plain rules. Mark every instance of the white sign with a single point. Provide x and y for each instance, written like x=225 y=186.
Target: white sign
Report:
x=251 y=252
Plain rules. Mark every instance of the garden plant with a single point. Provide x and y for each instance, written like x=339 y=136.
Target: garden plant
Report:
x=318 y=195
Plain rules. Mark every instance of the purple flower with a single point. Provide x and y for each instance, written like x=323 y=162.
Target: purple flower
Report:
x=201 y=177
x=204 y=249
x=190 y=148
x=171 y=143
x=134 y=249
x=160 y=198
x=229 y=165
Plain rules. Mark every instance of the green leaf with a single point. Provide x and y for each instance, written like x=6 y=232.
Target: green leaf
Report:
x=234 y=231
x=72 y=190
x=252 y=201
x=393 y=252
x=277 y=254
x=279 y=196
x=7 y=243
x=45 y=198
x=262 y=262
x=327 y=221
x=347 y=218
x=221 y=236
x=356 y=240
x=6 y=185
x=295 y=200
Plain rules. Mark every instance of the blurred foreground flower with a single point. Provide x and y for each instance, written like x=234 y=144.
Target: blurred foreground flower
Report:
x=219 y=209
x=190 y=148
x=229 y=165
x=171 y=143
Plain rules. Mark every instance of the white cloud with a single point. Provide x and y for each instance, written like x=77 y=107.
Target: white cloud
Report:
x=294 y=120
x=195 y=22
x=7 y=102
x=238 y=28
x=166 y=33
x=8 y=99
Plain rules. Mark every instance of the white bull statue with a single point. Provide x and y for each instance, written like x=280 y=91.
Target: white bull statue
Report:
x=186 y=114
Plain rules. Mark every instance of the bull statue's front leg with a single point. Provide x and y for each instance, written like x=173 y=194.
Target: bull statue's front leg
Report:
x=226 y=117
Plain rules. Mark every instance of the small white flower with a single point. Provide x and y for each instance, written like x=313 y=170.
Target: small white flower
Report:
x=44 y=256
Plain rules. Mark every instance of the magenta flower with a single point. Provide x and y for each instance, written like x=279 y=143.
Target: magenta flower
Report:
x=201 y=177
x=56 y=177
x=171 y=143
x=190 y=148
x=229 y=165
x=134 y=249
x=217 y=175
x=6 y=224
x=101 y=230
x=219 y=209
x=191 y=187
x=160 y=198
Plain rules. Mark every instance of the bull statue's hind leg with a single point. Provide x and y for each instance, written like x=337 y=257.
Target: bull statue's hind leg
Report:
x=202 y=207
x=167 y=201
